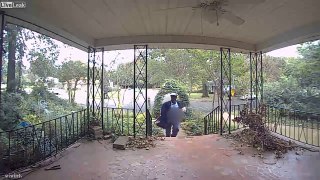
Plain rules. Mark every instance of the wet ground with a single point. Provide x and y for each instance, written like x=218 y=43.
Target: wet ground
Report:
x=205 y=157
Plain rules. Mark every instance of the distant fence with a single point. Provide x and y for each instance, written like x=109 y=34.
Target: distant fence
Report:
x=25 y=146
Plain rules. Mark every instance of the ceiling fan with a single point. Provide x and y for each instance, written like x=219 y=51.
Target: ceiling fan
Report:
x=213 y=10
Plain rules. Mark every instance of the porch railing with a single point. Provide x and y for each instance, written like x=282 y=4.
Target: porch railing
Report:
x=118 y=120
x=212 y=122
x=294 y=124
x=25 y=146
x=121 y=122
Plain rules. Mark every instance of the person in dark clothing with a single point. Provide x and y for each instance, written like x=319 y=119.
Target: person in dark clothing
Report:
x=171 y=115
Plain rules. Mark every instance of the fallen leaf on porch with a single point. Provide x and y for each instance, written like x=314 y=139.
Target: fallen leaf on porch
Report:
x=143 y=143
x=257 y=135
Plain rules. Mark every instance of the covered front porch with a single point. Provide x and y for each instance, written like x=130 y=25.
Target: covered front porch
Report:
x=143 y=25
x=203 y=157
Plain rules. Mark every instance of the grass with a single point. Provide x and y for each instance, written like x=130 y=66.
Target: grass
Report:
x=194 y=96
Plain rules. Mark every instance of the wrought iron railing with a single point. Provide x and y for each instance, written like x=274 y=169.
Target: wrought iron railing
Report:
x=25 y=146
x=212 y=121
x=118 y=120
x=294 y=124
x=121 y=122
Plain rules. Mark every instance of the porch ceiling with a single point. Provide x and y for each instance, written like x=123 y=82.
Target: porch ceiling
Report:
x=118 y=24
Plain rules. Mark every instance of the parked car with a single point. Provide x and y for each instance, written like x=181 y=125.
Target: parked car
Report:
x=54 y=91
x=248 y=97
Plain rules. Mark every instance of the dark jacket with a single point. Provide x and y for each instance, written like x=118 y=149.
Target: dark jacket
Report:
x=165 y=108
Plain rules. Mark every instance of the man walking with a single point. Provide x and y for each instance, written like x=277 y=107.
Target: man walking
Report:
x=171 y=115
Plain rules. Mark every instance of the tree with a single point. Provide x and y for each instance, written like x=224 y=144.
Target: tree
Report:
x=309 y=74
x=72 y=72
x=12 y=33
x=298 y=83
x=169 y=87
x=41 y=66
x=15 y=39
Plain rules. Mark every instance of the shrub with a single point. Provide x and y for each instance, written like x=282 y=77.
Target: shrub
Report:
x=170 y=86
x=10 y=113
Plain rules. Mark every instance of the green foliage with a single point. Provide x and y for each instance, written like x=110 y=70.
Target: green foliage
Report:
x=18 y=107
x=193 y=128
x=72 y=72
x=41 y=66
x=298 y=87
x=10 y=113
x=170 y=86
x=194 y=124
x=33 y=119
x=123 y=76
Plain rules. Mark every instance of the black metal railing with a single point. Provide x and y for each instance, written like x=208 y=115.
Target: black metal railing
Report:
x=25 y=146
x=149 y=123
x=212 y=121
x=121 y=122
x=118 y=120
x=294 y=124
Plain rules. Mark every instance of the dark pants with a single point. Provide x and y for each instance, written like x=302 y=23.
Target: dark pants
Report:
x=174 y=126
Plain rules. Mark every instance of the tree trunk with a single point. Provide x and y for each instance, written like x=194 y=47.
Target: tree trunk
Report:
x=69 y=91
x=74 y=91
x=11 y=78
x=204 y=90
x=19 y=84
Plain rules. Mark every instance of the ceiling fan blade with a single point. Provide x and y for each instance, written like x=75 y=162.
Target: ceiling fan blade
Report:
x=174 y=8
x=248 y=1
x=232 y=18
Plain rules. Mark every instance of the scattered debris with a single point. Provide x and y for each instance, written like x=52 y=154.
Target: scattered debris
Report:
x=257 y=135
x=25 y=170
x=278 y=154
x=76 y=145
x=141 y=143
x=106 y=137
x=53 y=168
x=268 y=162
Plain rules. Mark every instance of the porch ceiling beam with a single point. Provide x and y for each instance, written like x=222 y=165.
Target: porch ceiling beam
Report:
x=172 y=41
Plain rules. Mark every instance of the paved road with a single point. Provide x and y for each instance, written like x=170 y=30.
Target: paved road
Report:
x=206 y=106
x=127 y=100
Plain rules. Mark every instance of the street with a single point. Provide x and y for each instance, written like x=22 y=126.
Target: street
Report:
x=126 y=99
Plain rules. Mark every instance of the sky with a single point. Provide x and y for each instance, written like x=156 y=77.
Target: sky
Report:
x=127 y=55
x=290 y=51
x=124 y=56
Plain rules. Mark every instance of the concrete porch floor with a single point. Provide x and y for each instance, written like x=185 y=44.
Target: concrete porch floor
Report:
x=204 y=158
